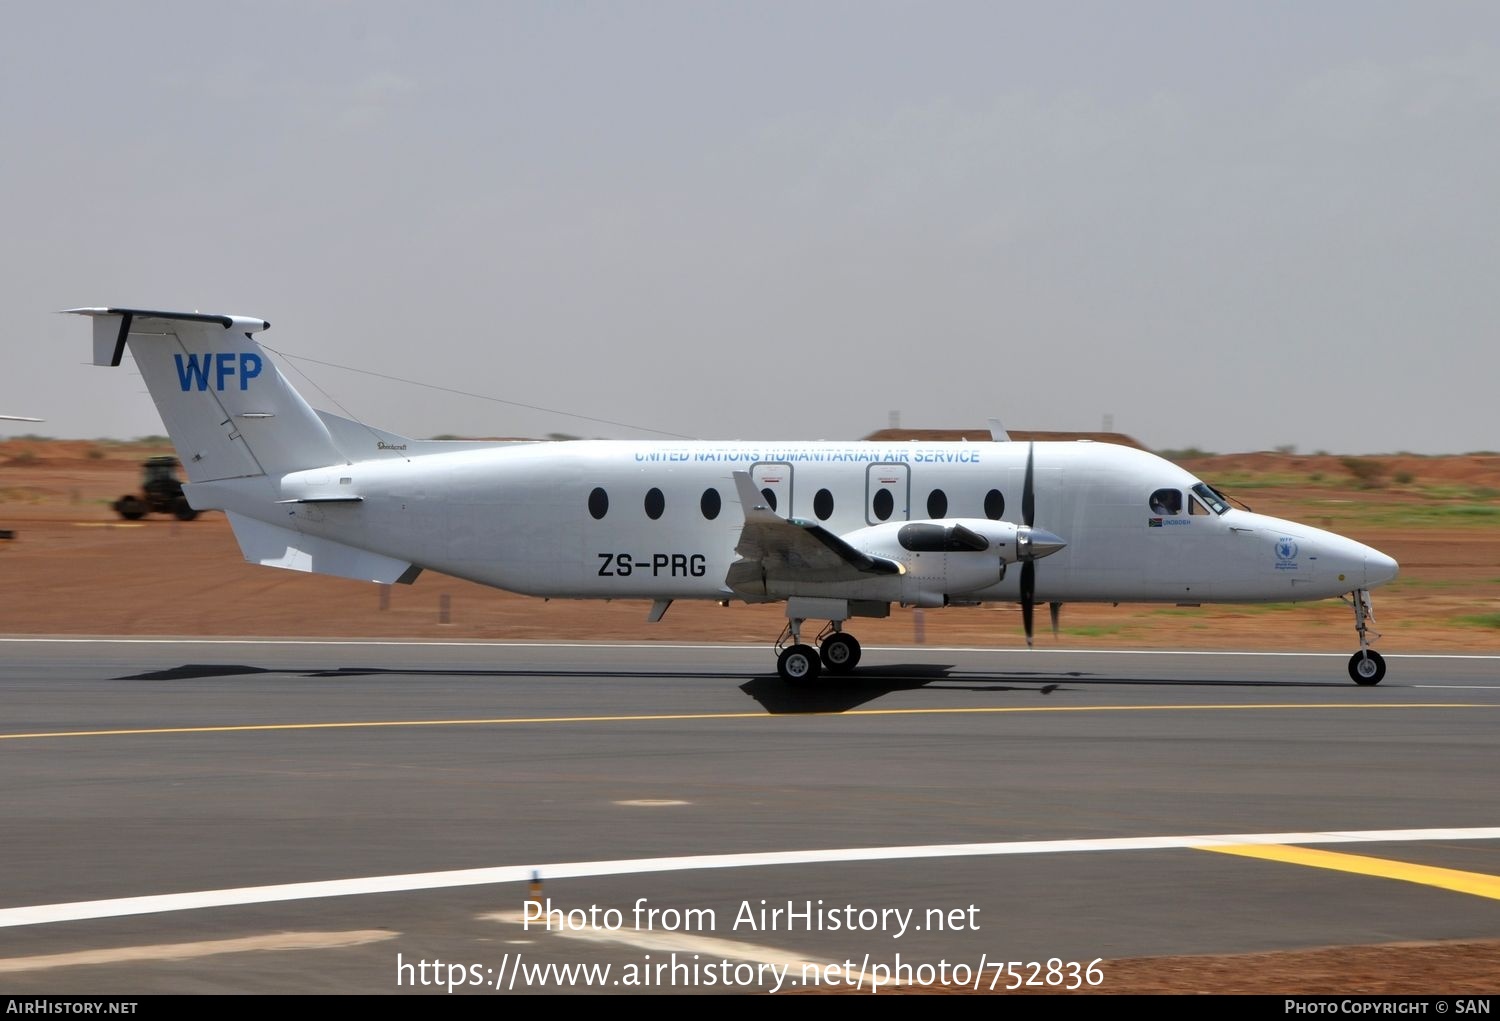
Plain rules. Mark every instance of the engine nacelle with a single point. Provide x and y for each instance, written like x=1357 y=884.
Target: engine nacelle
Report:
x=944 y=559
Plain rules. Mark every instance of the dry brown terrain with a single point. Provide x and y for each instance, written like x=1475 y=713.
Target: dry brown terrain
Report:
x=75 y=568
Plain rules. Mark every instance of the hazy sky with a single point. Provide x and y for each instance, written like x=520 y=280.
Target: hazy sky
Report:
x=1229 y=225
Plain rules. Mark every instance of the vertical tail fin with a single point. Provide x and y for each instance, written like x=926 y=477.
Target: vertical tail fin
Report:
x=225 y=404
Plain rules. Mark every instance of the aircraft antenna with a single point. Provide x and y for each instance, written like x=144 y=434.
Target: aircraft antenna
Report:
x=476 y=396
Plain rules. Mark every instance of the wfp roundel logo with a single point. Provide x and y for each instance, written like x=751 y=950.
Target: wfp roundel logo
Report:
x=1286 y=553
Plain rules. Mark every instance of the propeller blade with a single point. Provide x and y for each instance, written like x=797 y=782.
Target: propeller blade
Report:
x=1028 y=568
x=1028 y=495
x=1055 y=608
x=1028 y=596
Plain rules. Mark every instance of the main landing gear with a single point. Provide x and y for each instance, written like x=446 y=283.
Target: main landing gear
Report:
x=798 y=663
x=1366 y=667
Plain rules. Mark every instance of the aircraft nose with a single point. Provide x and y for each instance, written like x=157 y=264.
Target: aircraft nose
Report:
x=1379 y=568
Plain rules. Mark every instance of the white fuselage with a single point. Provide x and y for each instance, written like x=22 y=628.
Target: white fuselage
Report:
x=529 y=518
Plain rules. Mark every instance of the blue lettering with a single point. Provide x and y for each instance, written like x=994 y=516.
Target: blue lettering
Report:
x=250 y=366
x=225 y=367
x=193 y=371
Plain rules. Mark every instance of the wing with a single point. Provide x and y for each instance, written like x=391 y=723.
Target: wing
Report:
x=782 y=549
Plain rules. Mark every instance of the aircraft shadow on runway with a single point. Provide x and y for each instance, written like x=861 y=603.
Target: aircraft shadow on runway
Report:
x=828 y=695
x=841 y=694
x=206 y=671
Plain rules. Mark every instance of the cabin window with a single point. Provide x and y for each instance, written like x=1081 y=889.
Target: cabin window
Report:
x=994 y=505
x=598 y=503
x=823 y=505
x=925 y=537
x=937 y=504
x=655 y=503
x=769 y=495
x=1166 y=501
x=883 y=504
x=711 y=503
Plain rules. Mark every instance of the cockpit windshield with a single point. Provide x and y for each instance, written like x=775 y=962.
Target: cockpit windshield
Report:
x=1215 y=500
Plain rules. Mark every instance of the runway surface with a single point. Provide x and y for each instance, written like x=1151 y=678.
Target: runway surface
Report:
x=260 y=816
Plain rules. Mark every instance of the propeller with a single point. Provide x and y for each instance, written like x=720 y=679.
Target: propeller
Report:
x=1032 y=544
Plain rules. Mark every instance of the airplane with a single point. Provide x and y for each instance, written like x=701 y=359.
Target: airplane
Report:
x=837 y=531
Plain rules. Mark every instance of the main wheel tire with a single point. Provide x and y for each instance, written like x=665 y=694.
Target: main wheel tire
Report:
x=130 y=508
x=798 y=664
x=840 y=653
x=1367 y=668
x=183 y=511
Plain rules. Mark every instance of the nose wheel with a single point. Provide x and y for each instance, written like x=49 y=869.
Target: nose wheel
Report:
x=1366 y=667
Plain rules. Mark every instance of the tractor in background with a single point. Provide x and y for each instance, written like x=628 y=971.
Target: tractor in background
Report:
x=161 y=492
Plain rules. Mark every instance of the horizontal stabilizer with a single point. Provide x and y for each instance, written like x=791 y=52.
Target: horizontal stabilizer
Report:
x=274 y=546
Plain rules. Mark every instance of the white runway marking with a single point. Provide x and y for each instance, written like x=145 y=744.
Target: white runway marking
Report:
x=189 y=951
x=699 y=646
x=40 y=914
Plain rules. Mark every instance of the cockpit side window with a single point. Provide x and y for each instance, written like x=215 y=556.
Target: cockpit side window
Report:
x=1166 y=501
x=1211 y=497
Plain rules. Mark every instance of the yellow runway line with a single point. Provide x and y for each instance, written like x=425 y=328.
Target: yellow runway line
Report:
x=680 y=717
x=1477 y=884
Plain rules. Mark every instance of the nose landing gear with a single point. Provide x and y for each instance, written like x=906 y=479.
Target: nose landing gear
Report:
x=1366 y=667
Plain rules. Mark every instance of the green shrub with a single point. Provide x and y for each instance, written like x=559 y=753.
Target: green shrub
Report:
x=1370 y=474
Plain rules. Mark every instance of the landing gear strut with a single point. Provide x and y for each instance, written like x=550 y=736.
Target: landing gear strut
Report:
x=1366 y=667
